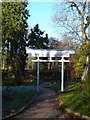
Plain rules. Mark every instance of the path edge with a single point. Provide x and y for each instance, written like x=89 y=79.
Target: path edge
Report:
x=73 y=113
x=14 y=114
x=77 y=114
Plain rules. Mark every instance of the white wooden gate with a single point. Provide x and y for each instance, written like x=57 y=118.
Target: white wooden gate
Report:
x=50 y=53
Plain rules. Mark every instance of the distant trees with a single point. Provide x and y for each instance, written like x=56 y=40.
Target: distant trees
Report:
x=53 y=43
x=68 y=41
x=14 y=37
x=65 y=42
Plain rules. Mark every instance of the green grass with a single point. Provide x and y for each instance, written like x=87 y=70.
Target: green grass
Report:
x=16 y=98
x=73 y=98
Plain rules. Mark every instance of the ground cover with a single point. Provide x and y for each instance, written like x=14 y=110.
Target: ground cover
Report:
x=74 y=99
x=16 y=97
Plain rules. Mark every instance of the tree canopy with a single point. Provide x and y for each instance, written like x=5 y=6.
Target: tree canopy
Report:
x=36 y=38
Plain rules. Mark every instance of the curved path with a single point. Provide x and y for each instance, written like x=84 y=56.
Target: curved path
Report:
x=45 y=106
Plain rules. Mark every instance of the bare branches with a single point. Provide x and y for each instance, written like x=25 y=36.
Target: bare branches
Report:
x=72 y=16
x=84 y=6
x=73 y=4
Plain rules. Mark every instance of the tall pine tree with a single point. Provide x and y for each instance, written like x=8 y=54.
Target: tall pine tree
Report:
x=14 y=29
x=36 y=39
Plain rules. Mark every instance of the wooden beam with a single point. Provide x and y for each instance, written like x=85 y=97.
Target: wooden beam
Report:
x=50 y=60
x=49 y=53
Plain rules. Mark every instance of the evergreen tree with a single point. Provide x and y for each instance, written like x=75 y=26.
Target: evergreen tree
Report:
x=14 y=37
x=36 y=39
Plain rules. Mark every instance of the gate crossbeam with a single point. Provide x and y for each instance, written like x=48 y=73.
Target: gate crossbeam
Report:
x=50 y=53
x=50 y=60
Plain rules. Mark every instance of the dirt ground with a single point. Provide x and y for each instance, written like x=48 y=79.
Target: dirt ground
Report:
x=45 y=106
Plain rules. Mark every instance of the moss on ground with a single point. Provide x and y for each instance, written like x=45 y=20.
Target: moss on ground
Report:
x=74 y=99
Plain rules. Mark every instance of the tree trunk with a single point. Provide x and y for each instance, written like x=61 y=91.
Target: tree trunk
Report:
x=88 y=62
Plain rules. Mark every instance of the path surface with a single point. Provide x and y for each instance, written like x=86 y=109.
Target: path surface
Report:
x=45 y=106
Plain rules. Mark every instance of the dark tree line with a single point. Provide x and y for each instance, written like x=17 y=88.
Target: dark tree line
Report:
x=15 y=39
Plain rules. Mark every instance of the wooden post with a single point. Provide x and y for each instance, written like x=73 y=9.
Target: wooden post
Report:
x=38 y=74
x=62 y=75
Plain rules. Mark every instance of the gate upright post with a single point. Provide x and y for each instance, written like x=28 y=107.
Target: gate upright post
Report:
x=38 y=74
x=62 y=75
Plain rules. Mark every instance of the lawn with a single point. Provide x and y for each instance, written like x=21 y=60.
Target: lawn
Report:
x=16 y=97
x=73 y=98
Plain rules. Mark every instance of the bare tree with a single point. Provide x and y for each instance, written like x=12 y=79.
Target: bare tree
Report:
x=53 y=43
x=68 y=41
x=71 y=17
x=74 y=17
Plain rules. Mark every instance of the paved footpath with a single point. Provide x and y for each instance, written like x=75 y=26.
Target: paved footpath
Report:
x=45 y=106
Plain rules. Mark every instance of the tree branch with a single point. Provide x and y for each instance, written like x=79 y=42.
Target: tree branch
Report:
x=84 y=6
x=73 y=4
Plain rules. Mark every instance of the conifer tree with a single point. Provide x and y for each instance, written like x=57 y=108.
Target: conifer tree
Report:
x=14 y=37
x=36 y=39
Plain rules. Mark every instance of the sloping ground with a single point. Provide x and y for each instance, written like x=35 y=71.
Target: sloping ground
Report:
x=45 y=106
x=16 y=98
x=75 y=98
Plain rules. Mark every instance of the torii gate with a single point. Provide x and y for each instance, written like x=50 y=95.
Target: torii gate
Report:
x=50 y=53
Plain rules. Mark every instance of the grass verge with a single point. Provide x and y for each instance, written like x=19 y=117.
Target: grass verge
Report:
x=73 y=99
x=15 y=98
